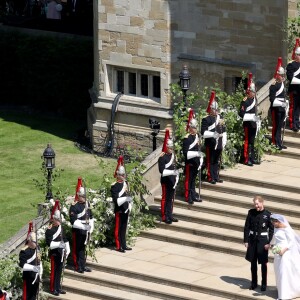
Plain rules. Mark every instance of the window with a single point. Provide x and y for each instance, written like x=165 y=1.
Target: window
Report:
x=137 y=83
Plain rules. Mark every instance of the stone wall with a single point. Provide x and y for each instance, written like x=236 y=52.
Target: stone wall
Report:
x=216 y=39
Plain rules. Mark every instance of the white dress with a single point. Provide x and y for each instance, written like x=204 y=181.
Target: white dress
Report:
x=287 y=266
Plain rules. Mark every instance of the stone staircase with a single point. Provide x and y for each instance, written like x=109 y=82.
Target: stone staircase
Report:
x=201 y=256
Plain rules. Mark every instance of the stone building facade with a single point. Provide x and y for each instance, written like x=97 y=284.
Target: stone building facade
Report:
x=141 y=46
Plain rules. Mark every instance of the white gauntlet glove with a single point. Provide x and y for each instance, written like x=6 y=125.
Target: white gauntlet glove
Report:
x=32 y=268
x=169 y=173
x=122 y=200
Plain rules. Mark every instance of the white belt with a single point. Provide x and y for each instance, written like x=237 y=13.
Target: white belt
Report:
x=280 y=99
x=263 y=233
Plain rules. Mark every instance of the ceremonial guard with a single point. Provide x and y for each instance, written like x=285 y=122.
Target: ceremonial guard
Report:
x=250 y=120
x=258 y=232
x=215 y=136
x=82 y=221
x=59 y=249
x=29 y=260
x=123 y=201
x=193 y=157
x=278 y=105
x=293 y=75
x=169 y=179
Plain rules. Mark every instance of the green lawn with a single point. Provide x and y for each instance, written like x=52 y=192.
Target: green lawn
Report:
x=23 y=139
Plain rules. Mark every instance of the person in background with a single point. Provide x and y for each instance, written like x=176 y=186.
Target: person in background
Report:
x=59 y=250
x=250 y=120
x=193 y=156
x=278 y=105
x=29 y=261
x=293 y=76
x=215 y=136
x=123 y=201
x=81 y=218
x=169 y=179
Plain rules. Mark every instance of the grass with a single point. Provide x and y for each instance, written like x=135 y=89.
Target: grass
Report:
x=23 y=139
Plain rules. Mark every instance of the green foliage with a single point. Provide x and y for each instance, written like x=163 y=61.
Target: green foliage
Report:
x=11 y=276
x=229 y=106
x=293 y=31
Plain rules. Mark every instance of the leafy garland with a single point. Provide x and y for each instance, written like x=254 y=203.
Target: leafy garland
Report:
x=229 y=106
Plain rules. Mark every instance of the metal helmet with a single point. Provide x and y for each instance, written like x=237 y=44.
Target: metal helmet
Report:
x=31 y=237
x=252 y=87
x=281 y=71
x=81 y=191
x=170 y=143
x=193 y=123
x=121 y=171
x=57 y=215
x=214 y=105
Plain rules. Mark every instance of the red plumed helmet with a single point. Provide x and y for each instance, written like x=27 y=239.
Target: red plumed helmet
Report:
x=55 y=214
x=120 y=163
x=30 y=228
x=79 y=185
x=211 y=100
x=167 y=136
x=279 y=69
x=192 y=122
x=250 y=84
x=297 y=44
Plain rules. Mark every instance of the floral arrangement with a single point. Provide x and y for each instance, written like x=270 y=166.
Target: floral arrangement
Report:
x=276 y=249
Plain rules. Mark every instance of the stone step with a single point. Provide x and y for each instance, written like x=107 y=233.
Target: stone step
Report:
x=221 y=203
x=67 y=296
x=204 y=218
x=106 y=285
x=291 y=152
x=287 y=133
x=221 y=234
x=208 y=207
x=269 y=194
x=197 y=241
x=258 y=182
x=181 y=267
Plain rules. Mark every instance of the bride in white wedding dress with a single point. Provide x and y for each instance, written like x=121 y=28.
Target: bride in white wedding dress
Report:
x=286 y=249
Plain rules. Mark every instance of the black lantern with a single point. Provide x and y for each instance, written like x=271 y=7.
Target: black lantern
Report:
x=184 y=77
x=49 y=163
x=155 y=126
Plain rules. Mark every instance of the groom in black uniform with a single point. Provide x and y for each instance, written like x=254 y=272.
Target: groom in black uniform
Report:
x=258 y=233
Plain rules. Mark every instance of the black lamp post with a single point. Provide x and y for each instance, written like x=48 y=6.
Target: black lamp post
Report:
x=184 y=77
x=155 y=126
x=49 y=163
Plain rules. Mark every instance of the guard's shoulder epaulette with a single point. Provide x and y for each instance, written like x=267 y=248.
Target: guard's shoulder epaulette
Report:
x=274 y=82
x=162 y=154
x=74 y=202
x=245 y=98
x=24 y=248
x=187 y=135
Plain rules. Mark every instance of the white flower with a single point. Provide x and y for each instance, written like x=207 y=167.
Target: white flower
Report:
x=65 y=210
x=109 y=199
x=52 y=202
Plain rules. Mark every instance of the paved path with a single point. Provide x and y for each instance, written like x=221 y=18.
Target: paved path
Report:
x=199 y=266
